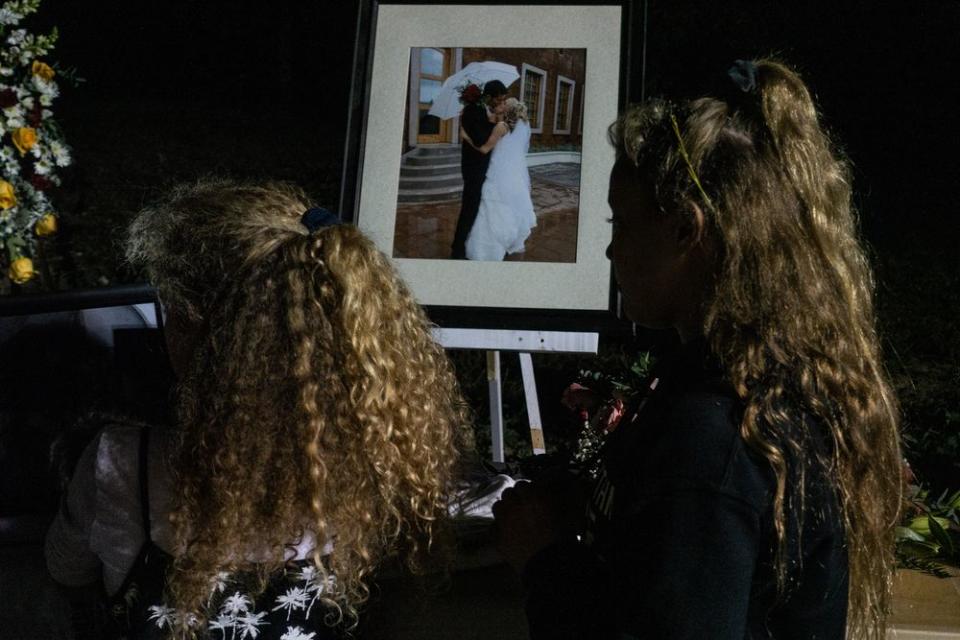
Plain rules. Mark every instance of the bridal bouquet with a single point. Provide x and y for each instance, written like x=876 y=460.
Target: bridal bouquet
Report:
x=470 y=93
x=32 y=149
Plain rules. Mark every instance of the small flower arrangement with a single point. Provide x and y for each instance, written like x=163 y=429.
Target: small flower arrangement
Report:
x=600 y=399
x=470 y=93
x=32 y=148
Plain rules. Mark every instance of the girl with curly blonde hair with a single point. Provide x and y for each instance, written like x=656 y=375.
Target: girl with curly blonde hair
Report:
x=316 y=428
x=755 y=492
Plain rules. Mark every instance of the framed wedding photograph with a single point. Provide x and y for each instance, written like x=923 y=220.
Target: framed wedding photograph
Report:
x=477 y=156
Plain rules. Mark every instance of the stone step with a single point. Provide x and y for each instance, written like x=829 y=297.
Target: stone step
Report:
x=437 y=150
x=407 y=196
x=432 y=182
x=415 y=171
x=429 y=159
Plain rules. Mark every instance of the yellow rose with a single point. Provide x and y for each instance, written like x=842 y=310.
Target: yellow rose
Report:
x=24 y=138
x=47 y=225
x=43 y=70
x=21 y=270
x=7 y=197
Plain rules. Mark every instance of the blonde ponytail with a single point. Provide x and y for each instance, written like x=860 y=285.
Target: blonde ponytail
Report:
x=317 y=399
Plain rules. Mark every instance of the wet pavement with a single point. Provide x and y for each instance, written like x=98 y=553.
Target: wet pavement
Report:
x=426 y=230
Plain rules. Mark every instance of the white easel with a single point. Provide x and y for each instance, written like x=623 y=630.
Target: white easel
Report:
x=493 y=341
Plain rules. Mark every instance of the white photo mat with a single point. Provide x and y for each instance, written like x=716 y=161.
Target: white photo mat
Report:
x=583 y=285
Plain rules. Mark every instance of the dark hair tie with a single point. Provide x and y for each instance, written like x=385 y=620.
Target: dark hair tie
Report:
x=316 y=218
x=744 y=75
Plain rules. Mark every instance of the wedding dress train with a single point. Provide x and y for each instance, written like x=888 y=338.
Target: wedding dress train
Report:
x=506 y=214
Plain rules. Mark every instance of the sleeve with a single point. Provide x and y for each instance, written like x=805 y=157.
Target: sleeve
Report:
x=70 y=560
x=476 y=125
x=687 y=545
x=689 y=574
x=683 y=569
x=98 y=530
x=680 y=553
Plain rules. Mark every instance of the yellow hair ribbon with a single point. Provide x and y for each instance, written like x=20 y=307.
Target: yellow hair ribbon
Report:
x=686 y=158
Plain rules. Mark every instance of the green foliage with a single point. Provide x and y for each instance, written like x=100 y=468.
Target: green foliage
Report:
x=619 y=373
x=928 y=539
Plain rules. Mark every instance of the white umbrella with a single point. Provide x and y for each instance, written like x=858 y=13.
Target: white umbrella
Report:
x=447 y=102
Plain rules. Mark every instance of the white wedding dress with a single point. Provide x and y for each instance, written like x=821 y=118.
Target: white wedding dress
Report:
x=506 y=215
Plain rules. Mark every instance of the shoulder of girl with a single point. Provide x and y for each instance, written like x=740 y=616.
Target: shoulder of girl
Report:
x=703 y=420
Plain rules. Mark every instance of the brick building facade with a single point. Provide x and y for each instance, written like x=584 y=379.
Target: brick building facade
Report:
x=551 y=84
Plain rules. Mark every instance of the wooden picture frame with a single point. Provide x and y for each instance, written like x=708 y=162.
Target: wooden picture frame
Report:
x=575 y=295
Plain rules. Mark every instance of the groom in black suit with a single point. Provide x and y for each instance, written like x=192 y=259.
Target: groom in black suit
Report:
x=473 y=164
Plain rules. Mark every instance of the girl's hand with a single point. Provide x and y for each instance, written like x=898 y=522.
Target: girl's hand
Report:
x=532 y=515
x=526 y=522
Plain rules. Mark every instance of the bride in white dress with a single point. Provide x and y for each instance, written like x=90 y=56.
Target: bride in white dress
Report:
x=506 y=215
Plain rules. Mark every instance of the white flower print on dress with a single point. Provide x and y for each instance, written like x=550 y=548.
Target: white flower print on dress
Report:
x=168 y=617
x=250 y=623
x=222 y=623
x=296 y=633
x=163 y=615
x=315 y=584
x=294 y=599
x=218 y=584
x=236 y=604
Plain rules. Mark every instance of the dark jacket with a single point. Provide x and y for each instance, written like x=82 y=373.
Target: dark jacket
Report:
x=680 y=536
x=474 y=121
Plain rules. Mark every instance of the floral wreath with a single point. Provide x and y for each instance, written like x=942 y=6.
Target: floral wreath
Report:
x=32 y=149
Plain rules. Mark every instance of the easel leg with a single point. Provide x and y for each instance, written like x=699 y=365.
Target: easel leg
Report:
x=496 y=405
x=533 y=405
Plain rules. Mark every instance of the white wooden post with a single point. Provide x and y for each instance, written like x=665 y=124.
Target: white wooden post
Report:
x=533 y=405
x=493 y=341
x=496 y=405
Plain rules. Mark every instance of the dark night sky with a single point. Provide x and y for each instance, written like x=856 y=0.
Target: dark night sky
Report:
x=883 y=73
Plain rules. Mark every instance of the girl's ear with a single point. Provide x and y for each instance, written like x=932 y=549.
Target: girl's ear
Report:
x=690 y=229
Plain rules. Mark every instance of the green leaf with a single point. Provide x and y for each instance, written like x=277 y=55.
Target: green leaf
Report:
x=919 y=549
x=905 y=533
x=941 y=536
x=954 y=501
x=922 y=564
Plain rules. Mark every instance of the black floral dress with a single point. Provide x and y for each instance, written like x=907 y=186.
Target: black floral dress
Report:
x=290 y=608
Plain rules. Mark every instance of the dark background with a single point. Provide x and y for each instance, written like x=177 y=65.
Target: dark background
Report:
x=184 y=88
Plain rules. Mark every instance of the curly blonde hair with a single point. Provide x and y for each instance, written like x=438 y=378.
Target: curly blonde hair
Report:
x=791 y=317
x=316 y=399
x=514 y=110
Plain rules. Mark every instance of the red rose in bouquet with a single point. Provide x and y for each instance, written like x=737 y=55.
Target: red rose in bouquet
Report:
x=471 y=94
x=40 y=183
x=7 y=98
x=610 y=416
